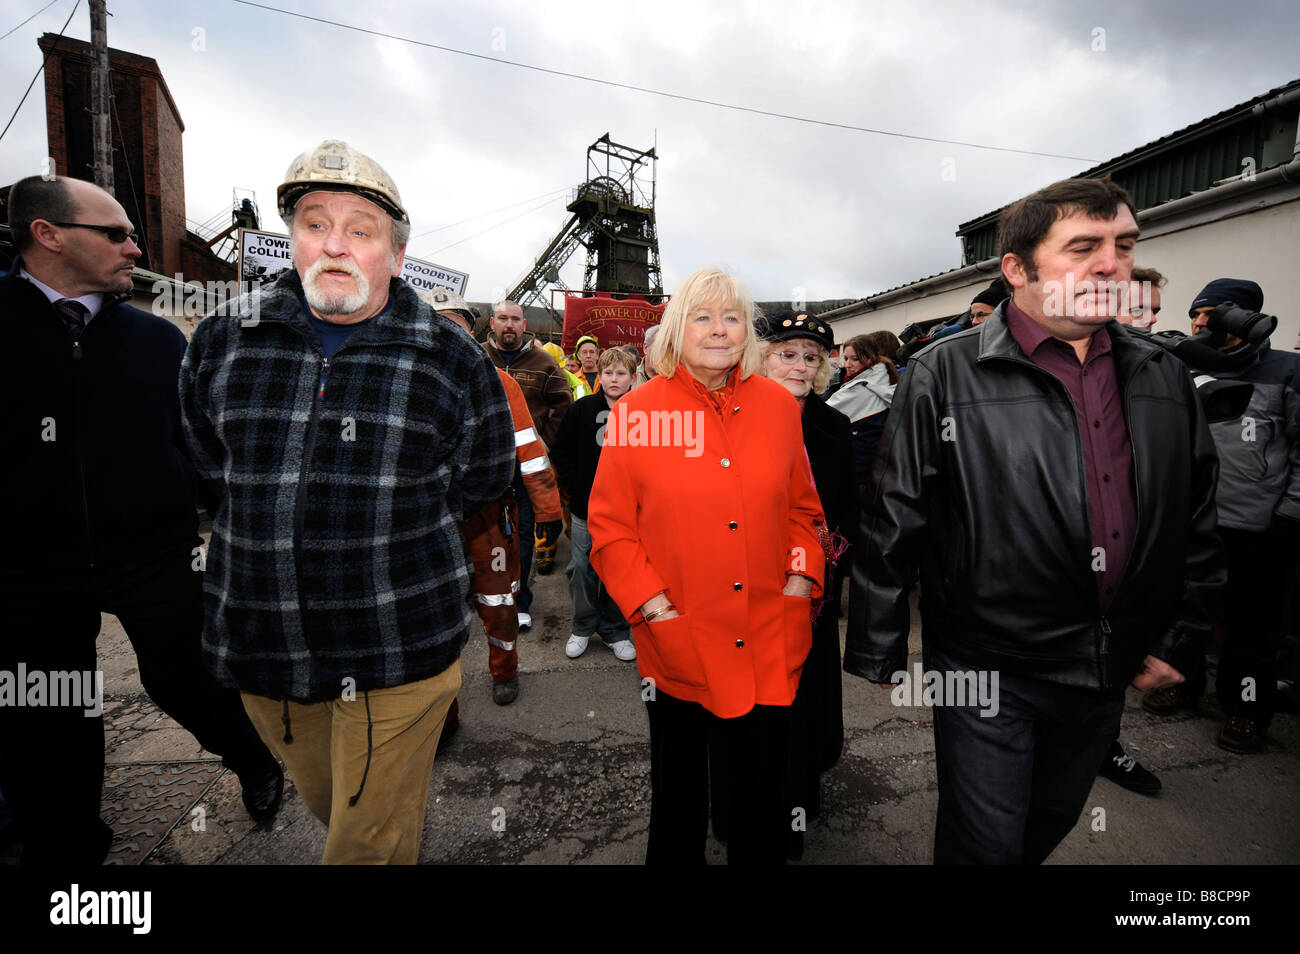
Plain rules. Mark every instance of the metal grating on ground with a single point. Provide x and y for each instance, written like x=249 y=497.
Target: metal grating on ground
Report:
x=143 y=801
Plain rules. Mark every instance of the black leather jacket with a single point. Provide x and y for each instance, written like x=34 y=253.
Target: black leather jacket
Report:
x=980 y=482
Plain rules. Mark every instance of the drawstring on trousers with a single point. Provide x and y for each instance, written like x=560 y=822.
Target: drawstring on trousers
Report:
x=370 y=744
x=284 y=717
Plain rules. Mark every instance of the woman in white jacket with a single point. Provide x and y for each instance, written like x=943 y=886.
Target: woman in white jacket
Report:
x=865 y=399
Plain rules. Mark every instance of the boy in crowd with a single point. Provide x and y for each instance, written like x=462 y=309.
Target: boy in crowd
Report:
x=575 y=455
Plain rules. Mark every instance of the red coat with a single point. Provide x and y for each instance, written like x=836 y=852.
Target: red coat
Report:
x=718 y=519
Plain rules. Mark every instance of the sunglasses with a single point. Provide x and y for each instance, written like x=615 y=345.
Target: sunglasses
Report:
x=115 y=235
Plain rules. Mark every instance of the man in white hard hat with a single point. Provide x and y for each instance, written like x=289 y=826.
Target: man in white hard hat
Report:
x=347 y=433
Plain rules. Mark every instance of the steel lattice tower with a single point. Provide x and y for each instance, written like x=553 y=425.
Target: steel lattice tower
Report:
x=613 y=217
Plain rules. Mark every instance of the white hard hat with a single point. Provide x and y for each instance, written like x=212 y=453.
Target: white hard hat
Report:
x=444 y=299
x=334 y=166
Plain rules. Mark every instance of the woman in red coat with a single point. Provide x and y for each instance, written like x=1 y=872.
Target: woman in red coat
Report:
x=702 y=519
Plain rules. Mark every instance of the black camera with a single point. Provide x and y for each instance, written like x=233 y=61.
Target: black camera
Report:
x=1231 y=319
x=916 y=336
x=910 y=333
x=1208 y=355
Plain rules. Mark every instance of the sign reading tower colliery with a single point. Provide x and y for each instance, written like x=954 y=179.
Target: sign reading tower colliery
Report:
x=264 y=255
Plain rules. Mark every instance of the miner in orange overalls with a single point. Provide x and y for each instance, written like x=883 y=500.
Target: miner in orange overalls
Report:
x=492 y=533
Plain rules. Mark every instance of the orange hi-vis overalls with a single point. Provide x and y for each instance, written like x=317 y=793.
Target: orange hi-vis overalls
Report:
x=534 y=465
x=544 y=556
x=492 y=538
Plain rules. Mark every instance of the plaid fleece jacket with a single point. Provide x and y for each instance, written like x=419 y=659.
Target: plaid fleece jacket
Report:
x=336 y=546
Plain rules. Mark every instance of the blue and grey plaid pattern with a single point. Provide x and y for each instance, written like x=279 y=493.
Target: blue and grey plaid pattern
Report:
x=336 y=547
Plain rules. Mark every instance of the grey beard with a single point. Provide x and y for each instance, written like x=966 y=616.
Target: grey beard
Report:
x=337 y=304
x=341 y=304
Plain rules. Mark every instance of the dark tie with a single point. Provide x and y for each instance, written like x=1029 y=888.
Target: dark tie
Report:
x=74 y=315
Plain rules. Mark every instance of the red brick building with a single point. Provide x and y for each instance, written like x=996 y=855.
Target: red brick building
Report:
x=148 y=165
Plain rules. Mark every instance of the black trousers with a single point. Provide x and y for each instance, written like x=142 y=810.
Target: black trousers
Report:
x=753 y=753
x=1012 y=785
x=1258 y=569
x=52 y=756
x=816 y=739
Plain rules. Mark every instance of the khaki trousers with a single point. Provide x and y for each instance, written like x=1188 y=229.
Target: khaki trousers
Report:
x=327 y=761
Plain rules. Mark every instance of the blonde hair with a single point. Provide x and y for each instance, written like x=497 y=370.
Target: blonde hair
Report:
x=616 y=356
x=702 y=287
x=821 y=379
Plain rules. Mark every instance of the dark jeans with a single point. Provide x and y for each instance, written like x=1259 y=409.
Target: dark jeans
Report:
x=753 y=751
x=524 y=512
x=594 y=610
x=1258 y=570
x=1012 y=785
x=52 y=757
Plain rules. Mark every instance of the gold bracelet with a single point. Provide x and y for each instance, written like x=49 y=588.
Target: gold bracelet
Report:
x=655 y=614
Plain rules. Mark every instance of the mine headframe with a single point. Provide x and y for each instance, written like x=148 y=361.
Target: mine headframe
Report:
x=612 y=216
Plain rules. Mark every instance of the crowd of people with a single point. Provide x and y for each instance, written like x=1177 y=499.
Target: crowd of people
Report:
x=1080 y=502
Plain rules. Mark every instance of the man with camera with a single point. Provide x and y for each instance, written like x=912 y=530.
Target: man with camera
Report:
x=1258 y=501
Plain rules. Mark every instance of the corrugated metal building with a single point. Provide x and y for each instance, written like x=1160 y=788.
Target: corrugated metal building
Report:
x=1218 y=198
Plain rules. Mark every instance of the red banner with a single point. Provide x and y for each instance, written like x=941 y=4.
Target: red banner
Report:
x=611 y=321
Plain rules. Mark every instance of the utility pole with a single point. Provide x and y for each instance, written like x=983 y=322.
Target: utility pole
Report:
x=101 y=104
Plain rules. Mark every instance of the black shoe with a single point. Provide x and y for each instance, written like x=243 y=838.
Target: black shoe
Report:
x=1242 y=735
x=263 y=793
x=1169 y=700
x=504 y=693
x=1124 y=771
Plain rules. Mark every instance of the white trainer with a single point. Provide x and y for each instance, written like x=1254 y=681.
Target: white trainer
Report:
x=576 y=646
x=624 y=650
x=525 y=622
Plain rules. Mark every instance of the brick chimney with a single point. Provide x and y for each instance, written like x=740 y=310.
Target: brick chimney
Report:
x=148 y=166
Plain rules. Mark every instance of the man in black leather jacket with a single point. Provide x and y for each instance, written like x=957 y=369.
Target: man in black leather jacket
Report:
x=1052 y=476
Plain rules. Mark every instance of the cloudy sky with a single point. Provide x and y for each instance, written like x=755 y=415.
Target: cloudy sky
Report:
x=792 y=208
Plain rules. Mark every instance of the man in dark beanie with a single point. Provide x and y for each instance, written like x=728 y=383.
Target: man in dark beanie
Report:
x=1258 y=501
x=1237 y=291
x=982 y=305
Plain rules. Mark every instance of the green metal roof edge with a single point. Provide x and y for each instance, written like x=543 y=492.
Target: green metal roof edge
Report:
x=1153 y=148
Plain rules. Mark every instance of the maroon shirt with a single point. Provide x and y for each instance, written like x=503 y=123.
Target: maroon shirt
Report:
x=1107 y=453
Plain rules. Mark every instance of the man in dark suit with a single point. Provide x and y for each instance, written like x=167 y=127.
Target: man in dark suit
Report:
x=101 y=517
